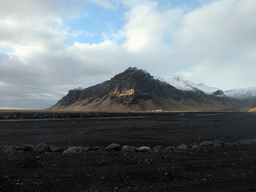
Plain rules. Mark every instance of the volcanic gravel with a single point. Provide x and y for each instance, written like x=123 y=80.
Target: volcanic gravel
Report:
x=226 y=163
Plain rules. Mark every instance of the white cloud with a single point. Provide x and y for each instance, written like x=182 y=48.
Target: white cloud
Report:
x=3 y=84
x=221 y=32
x=222 y=26
x=30 y=27
x=213 y=44
x=147 y=27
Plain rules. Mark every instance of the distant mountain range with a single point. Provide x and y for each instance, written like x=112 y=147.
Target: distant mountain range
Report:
x=186 y=85
x=136 y=90
x=245 y=96
x=178 y=83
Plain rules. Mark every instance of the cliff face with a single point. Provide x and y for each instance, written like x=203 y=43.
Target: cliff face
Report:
x=137 y=90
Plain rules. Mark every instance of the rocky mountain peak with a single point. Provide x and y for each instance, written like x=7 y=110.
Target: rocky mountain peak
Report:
x=135 y=89
x=132 y=72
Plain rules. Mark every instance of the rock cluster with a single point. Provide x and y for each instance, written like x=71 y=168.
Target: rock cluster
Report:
x=45 y=148
x=59 y=115
x=40 y=148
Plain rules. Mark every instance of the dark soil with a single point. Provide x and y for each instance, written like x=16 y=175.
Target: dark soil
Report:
x=227 y=168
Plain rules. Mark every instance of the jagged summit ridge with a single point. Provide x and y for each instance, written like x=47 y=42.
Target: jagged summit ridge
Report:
x=133 y=72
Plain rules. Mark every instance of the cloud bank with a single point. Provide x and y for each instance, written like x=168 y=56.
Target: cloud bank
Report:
x=213 y=43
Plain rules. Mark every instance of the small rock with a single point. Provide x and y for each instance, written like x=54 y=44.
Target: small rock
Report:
x=144 y=149
x=170 y=148
x=88 y=149
x=127 y=148
x=69 y=152
x=10 y=150
x=55 y=149
x=195 y=147
x=217 y=143
x=113 y=147
x=76 y=149
x=182 y=146
x=26 y=147
x=206 y=144
x=41 y=148
x=158 y=148
x=96 y=148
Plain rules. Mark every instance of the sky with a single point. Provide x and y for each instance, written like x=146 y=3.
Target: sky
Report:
x=52 y=46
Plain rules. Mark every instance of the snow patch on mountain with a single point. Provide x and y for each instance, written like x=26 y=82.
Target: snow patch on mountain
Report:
x=187 y=85
x=245 y=93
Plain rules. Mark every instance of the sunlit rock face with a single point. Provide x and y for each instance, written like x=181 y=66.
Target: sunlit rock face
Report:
x=136 y=90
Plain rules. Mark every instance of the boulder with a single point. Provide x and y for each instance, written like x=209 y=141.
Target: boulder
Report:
x=144 y=149
x=182 y=146
x=158 y=148
x=113 y=147
x=127 y=148
x=41 y=148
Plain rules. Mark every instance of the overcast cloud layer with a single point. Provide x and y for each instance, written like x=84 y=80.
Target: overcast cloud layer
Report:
x=214 y=43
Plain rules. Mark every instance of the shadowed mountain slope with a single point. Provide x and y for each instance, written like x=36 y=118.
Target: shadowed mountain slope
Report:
x=137 y=90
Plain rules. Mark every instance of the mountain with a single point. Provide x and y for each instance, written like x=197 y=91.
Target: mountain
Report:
x=252 y=110
x=181 y=84
x=136 y=90
x=246 y=97
x=246 y=93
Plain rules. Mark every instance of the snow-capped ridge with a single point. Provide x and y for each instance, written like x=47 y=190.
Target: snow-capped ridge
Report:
x=243 y=93
x=187 y=85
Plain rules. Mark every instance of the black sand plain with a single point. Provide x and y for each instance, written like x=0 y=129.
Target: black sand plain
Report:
x=230 y=166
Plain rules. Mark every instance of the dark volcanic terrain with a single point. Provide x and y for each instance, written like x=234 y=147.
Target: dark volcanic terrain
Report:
x=226 y=162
